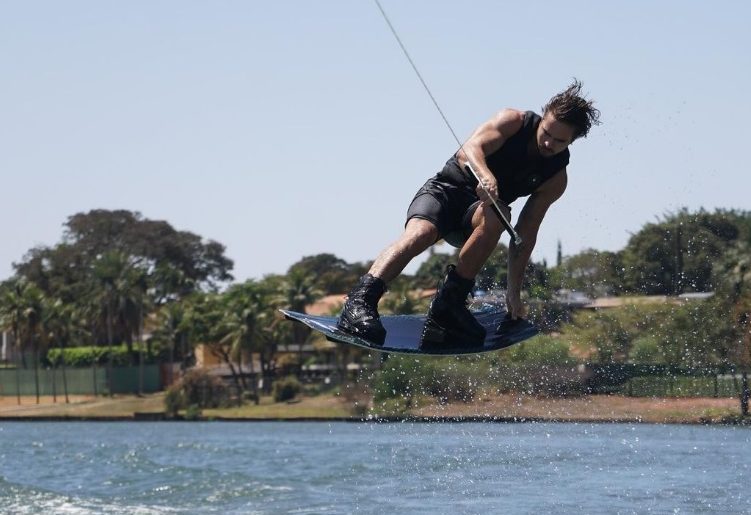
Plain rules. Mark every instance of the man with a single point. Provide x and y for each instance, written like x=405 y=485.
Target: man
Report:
x=515 y=154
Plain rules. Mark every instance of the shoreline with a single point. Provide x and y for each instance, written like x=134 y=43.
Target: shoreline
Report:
x=495 y=409
x=386 y=420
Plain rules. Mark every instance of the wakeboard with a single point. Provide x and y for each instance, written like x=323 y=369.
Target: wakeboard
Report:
x=404 y=333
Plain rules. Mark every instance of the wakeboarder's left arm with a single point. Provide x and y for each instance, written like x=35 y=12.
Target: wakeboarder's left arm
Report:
x=527 y=226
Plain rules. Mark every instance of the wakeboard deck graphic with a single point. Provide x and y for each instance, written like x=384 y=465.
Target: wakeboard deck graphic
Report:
x=403 y=333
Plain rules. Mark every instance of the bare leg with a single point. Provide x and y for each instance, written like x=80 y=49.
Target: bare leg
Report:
x=487 y=230
x=418 y=235
x=449 y=319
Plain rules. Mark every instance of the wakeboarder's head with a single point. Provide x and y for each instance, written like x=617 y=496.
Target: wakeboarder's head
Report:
x=565 y=118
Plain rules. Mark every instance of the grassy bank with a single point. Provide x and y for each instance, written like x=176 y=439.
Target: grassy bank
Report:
x=80 y=406
x=320 y=406
x=593 y=408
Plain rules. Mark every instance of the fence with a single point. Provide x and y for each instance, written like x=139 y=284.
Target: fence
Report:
x=630 y=380
x=662 y=380
x=712 y=386
x=79 y=381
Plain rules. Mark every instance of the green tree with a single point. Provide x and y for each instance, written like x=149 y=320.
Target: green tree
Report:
x=494 y=273
x=119 y=293
x=400 y=300
x=537 y=281
x=690 y=335
x=177 y=262
x=733 y=276
x=62 y=324
x=543 y=350
x=22 y=308
x=329 y=273
x=295 y=292
x=34 y=314
x=686 y=334
x=605 y=334
x=433 y=269
x=242 y=329
x=206 y=319
x=12 y=317
x=675 y=254
x=591 y=271
x=172 y=331
x=170 y=284
x=152 y=243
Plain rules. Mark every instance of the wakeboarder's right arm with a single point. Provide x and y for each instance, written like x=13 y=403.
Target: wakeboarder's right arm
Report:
x=528 y=225
x=487 y=139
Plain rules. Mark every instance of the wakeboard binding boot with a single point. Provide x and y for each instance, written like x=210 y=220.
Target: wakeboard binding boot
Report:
x=449 y=320
x=360 y=313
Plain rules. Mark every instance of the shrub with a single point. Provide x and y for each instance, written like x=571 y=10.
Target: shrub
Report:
x=193 y=412
x=447 y=379
x=287 y=389
x=557 y=381
x=196 y=388
x=540 y=366
x=173 y=401
x=541 y=350
x=646 y=349
x=357 y=396
x=452 y=382
x=399 y=377
x=89 y=356
x=99 y=355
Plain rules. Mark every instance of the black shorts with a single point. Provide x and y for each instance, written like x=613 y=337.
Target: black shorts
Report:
x=448 y=201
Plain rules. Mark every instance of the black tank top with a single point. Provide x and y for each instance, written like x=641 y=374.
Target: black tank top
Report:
x=518 y=174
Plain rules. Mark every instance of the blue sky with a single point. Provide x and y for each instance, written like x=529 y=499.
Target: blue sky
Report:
x=290 y=128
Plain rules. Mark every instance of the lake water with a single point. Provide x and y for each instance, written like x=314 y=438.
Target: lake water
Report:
x=299 y=468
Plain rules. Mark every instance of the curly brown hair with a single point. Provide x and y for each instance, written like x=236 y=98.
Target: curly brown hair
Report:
x=570 y=106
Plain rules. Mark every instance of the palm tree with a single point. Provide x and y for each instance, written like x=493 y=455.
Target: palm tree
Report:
x=296 y=291
x=120 y=289
x=22 y=311
x=274 y=331
x=271 y=331
x=242 y=326
x=34 y=314
x=12 y=317
x=88 y=326
x=400 y=300
x=133 y=302
x=107 y=268
x=169 y=289
x=171 y=329
x=234 y=337
x=61 y=323
x=171 y=284
x=206 y=321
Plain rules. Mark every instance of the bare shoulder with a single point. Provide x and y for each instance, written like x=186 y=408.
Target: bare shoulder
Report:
x=489 y=136
x=508 y=120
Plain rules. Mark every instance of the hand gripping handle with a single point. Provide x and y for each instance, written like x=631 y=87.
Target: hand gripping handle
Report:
x=506 y=224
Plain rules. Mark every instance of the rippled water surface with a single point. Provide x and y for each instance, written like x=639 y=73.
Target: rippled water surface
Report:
x=141 y=467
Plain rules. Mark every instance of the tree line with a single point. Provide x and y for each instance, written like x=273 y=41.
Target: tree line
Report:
x=116 y=275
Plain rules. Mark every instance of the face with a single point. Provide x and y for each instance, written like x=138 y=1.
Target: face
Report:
x=553 y=136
